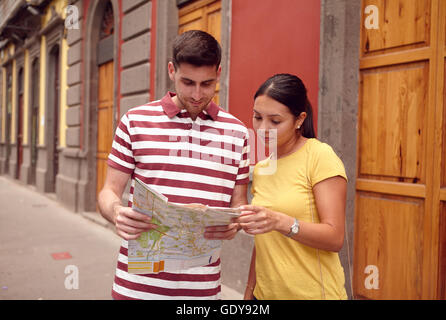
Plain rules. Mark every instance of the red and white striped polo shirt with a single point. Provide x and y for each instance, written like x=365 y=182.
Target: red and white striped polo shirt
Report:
x=189 y=162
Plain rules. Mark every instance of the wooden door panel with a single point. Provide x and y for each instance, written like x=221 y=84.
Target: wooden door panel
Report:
x=105 y=118
x=101 y=169
x=214 y=20
x=104 y=122
x=442 y=153
x=392 y=122
x=401 y=23
x=202 y=15
x=20 y=136
x=395 y=250
x=442 y=252
x=105 y=95
x=443 y=126
x=192 y=21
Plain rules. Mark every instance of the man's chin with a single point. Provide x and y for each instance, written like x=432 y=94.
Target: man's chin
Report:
x=196 y=107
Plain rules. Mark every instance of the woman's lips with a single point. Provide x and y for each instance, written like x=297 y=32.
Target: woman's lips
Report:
x=266 y=138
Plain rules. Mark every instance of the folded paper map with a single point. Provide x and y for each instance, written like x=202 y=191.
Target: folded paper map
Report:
x=178 y=242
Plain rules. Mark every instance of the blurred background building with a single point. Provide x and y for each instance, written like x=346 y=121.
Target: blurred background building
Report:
x=374 y=70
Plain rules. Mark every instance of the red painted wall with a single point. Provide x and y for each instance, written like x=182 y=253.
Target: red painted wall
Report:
x=269 y=37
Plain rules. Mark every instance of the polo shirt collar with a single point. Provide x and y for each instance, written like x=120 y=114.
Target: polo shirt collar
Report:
x=171 y=109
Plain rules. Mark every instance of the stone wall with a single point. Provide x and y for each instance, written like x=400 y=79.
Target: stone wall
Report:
x=338 y=100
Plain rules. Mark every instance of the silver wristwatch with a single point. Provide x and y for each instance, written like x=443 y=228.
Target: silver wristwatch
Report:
x=294 y=228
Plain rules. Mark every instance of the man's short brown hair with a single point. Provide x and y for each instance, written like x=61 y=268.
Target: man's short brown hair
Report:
x=197 y=48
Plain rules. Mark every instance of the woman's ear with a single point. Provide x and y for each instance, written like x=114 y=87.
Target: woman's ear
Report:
x=300 y=120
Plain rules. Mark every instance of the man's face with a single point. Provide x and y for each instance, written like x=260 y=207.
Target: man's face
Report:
x=194 y=86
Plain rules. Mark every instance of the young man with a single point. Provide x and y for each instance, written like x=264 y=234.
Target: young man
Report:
x=187 y=148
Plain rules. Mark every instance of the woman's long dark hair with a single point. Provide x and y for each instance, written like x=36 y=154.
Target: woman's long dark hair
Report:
x=290 y=91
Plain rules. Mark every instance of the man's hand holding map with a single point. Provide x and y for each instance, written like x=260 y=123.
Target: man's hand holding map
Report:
x=178 y=241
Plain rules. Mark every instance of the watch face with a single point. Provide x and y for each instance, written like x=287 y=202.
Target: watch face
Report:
x=295 y=229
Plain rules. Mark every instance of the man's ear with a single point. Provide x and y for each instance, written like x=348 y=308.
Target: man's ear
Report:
x=218 y=72
x=171 y=70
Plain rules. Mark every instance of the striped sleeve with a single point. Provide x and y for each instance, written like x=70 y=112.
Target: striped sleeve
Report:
x=243 y=169
x=121 y=154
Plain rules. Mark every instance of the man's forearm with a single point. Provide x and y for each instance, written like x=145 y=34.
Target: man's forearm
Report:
x=239 y=196
x=107 y=202
x=239 y=202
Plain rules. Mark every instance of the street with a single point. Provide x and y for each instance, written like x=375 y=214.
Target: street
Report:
x=41 y=239
x=48 y=252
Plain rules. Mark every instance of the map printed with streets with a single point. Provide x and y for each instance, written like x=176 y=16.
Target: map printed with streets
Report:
x=178 y=241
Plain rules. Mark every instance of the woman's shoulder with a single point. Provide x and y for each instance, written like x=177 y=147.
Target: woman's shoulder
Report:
x=319 y=148
x=324 y=161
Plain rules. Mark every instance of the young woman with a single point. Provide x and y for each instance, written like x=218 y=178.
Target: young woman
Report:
x=298 y=212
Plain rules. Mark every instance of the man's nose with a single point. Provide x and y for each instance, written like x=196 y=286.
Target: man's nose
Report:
x=196 y=94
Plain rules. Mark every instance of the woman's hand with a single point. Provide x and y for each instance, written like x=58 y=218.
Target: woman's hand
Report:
x=258 y=220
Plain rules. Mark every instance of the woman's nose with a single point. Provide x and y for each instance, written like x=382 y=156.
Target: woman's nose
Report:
x=264 y=126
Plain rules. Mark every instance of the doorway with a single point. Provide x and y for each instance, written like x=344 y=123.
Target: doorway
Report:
x=53 y=117
x=19 y=125
x=105 y=105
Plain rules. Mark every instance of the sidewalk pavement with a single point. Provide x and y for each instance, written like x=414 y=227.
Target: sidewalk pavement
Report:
x=46 y=249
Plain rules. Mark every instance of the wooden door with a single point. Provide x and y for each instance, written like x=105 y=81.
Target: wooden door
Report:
x=8 y=119
x=439 y=183
x=104 y=122
x=19 y=125
x=400 y=156
x=202 y=15
x=34 y=119
x=54 y=122
x=20 y=136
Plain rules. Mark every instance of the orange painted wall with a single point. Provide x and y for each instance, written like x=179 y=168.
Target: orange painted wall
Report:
x=268 y=37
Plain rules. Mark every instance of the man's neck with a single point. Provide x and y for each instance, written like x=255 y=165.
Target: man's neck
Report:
x=182 y=107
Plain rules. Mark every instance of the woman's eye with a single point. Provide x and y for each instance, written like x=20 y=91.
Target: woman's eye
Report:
x=275 y=122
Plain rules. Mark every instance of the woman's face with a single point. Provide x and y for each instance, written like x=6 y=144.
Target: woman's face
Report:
x=270 y=114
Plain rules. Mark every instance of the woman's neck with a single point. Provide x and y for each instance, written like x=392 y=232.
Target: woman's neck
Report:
x=291 y=146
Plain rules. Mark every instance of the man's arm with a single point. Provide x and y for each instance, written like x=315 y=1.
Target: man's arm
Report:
x=239 y=195
x=129 y=224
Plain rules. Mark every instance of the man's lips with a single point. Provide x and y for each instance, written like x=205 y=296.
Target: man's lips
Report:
x=196 y=103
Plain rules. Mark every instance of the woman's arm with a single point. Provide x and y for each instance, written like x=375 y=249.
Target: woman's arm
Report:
x=328 y=234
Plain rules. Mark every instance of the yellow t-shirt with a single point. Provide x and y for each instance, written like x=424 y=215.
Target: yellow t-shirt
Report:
x=285 y=268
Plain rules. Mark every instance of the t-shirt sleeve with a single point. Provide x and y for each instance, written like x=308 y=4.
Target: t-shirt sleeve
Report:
x=121 y=154
x=326 y=164
x=243 y=169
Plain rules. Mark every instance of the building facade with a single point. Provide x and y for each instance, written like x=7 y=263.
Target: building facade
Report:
x=374 y=70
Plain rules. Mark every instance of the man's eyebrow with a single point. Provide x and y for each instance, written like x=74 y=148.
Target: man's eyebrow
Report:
x=187 y=79
x=190 y=80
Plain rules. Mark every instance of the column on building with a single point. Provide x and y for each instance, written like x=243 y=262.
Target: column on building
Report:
x=51 y=111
